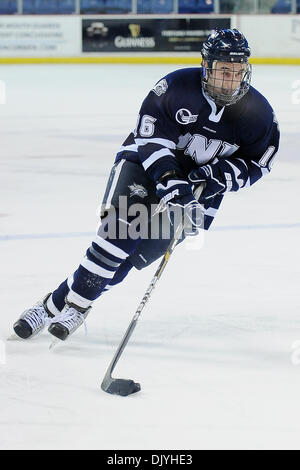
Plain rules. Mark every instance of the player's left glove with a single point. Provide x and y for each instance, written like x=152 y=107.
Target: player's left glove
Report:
x=213 y=177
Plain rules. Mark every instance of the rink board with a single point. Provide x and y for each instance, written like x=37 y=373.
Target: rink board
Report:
x=141 y=39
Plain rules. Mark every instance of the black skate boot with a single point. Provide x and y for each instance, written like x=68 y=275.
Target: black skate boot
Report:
x=71 y=318
x=33 y=320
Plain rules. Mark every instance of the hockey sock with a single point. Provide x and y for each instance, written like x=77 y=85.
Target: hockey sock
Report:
x=120 y=274
x=97 y=270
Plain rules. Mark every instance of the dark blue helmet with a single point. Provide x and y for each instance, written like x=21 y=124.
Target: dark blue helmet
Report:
x=227 y=45
x=226 y=84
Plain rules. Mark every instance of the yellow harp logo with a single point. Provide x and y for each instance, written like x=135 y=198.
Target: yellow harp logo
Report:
x=135 y=30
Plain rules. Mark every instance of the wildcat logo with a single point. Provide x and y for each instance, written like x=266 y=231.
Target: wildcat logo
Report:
x=161 y=87
x=184 y=116
x=137 y=190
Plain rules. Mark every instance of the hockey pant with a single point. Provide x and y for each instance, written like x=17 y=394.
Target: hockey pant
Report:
x=129 y=234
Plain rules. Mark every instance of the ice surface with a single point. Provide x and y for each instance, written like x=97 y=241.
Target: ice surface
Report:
x=216 y=348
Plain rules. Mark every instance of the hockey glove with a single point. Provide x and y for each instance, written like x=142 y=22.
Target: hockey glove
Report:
x=176 y=193
x=213 y=177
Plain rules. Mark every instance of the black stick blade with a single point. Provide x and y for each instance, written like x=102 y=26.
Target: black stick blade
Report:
x=122 y=387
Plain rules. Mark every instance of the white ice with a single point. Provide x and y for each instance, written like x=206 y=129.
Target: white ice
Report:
x=216 y=350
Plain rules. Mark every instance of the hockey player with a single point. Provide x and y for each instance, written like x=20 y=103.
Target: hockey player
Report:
x=197 y=125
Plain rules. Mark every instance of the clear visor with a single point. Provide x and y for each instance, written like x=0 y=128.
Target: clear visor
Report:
x=226 y=82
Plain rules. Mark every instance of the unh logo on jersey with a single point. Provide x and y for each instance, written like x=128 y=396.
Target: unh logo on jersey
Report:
x=184 y=116
x=161 y=87
x=202 y=149
x=137 y=190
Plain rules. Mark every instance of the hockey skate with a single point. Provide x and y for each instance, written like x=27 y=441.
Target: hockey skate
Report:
x=33 y=320
x=71 y=318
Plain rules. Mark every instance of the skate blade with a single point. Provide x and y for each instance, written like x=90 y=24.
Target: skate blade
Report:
x=14 y=337
x=54 y=343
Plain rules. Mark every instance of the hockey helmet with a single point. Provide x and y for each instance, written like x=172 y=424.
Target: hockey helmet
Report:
x=225 y=45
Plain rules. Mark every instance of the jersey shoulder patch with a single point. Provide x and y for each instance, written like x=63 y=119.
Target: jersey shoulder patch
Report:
x=161 y=87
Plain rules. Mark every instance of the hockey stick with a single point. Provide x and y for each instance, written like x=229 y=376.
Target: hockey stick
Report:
x=125 y=387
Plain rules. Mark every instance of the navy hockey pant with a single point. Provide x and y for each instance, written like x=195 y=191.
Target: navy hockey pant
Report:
x=107 y=260
x=112 y=255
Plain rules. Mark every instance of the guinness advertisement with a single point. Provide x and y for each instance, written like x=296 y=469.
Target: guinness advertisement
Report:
x=142 y=35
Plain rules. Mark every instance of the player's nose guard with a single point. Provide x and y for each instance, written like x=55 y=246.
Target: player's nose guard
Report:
x=227 y=91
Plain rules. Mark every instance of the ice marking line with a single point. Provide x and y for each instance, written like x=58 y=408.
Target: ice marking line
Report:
x=45 y=236
x=39 y=236
x=256 y=227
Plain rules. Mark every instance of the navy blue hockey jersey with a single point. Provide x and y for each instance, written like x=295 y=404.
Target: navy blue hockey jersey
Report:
x=180 y=127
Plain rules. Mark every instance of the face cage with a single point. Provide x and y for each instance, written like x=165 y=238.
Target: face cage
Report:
x=223 y=99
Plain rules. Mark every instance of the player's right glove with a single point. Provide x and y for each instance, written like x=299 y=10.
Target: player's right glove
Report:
x=176 y=192
x=213 y=178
